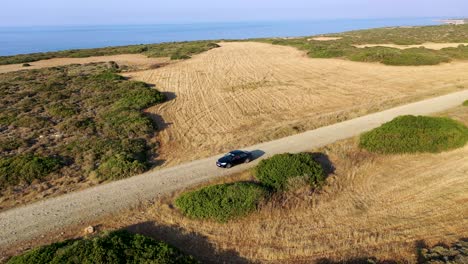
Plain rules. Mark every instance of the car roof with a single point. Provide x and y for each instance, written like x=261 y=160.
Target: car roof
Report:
x=236 y=152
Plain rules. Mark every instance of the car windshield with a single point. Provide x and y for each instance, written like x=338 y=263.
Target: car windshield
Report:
x=229 y=155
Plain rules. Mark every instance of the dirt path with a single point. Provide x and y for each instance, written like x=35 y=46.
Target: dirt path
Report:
x=137 y=61
x=247 y=92
x=32 y=221
x=428 y=45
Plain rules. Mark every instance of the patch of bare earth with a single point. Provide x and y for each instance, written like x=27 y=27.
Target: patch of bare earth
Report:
x=429 y=45
x=324 y=38
x=245 y=93
x=133 y=61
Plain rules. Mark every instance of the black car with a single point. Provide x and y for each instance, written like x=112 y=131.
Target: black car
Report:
x=233 y=158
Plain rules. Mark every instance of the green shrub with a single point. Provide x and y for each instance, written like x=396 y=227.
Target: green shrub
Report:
x=465 y=103
x=108 y=76
x=115 y=247
x=139 y=97
x=119 y=166
x=396 y=57
x=10 y=144
x=411 y=134
x=61 y=110
x=455 y=253
x=26 y=168
x=130 y=123
x=277 y=171
x=178 y=56
x=97 y=113
x=221 y=202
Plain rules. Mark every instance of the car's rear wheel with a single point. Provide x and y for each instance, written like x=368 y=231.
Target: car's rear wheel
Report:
x=247 y=160
x=229 y=165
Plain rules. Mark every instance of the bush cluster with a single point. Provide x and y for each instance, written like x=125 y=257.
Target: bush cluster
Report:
x=116 y=247
x=177 y=50
x=85 y=114
x=396 y=57
x=410 y=134
x=278 y=171
x=26 y=168
x=465 y=103
x=221 y=202
x=345 y=47
x=456 y=253
x=229 y=201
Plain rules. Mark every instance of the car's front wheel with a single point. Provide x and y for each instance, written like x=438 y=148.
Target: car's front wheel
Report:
x=247 y=160
x=229 y=165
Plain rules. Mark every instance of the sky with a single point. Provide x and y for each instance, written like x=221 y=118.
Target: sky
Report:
x=108 y=12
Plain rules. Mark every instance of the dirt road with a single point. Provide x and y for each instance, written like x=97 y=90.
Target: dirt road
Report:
x=32 y=221
x=244 y=93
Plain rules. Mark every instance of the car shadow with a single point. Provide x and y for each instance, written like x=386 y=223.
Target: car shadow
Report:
x=257 y=154
x=191 y=243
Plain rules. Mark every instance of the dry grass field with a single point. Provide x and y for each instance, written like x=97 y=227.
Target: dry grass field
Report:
x=133 y=61
x=433 y=46
x=372 y=205
x=246 y=92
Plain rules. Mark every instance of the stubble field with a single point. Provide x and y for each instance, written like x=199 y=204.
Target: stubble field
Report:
x=246 y=92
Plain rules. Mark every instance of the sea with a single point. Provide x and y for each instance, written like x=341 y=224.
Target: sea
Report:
x=22 y=40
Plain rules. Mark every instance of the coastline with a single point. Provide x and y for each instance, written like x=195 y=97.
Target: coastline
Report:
x=26 y=40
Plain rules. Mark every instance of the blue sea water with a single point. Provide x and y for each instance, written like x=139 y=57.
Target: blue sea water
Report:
x=20 y=40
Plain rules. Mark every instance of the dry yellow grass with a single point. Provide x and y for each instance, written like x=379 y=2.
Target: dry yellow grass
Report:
x=372 y=205
x=135 y=61
x=428 y=45
x=246 y=92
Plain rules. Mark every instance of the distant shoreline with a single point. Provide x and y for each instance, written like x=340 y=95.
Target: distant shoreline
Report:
x=457 y=21
x=15 y=41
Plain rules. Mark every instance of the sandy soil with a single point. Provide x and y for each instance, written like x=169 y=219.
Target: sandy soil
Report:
x=245 y=93
x=324 y=38
x=137 y=61
x=25 y=226
x=433 y=46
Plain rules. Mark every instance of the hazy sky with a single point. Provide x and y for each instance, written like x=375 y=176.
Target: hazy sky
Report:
x=79 y=12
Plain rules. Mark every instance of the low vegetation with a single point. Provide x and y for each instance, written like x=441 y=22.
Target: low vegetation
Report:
x=221 y=202
x=281 y=171
x=176 y=51
x=465 y=103
x=115 y=247
x=411 y=134
x=26 y=168
x=456 y=253
x=74 y=121
x=344 y=47
x=229 y=201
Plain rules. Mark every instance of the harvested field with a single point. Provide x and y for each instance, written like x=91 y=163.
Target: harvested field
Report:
x=372 y=205
x=246 y=92
x=134 y=61
x=433 y=46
